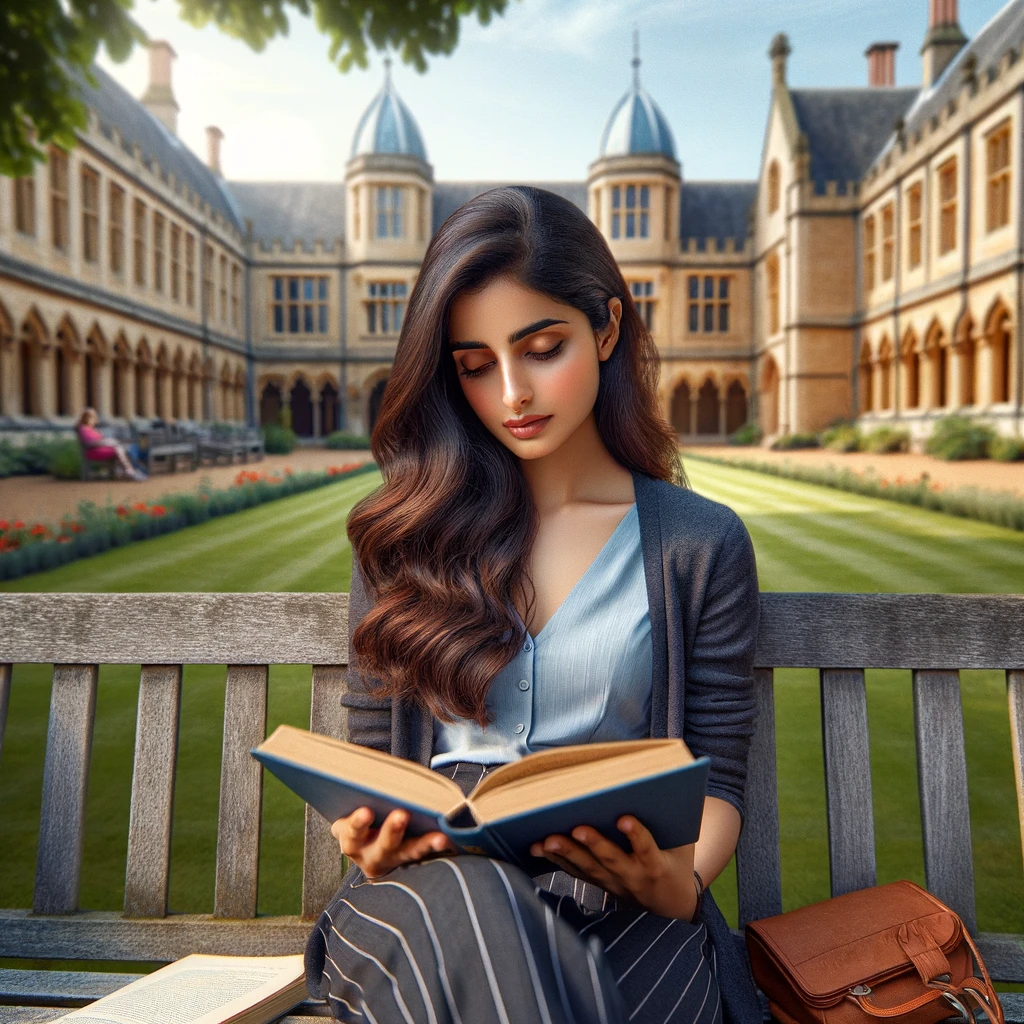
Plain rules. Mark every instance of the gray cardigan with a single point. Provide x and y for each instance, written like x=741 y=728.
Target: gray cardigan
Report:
x=704 y=604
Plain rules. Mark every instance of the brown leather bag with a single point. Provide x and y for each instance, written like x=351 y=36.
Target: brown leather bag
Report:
x=892 y=951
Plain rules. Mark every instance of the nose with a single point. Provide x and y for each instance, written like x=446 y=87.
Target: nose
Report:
x=516 y=392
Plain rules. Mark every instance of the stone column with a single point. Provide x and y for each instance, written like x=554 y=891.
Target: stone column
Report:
x=103 y=381
x=693 y=414
x=164 y=383
x=317 y=412
x=10 y=378
x=46 y=381
x=721 y=412
x=74 y=381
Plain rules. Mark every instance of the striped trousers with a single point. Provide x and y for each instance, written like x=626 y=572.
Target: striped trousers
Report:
x=474 y=940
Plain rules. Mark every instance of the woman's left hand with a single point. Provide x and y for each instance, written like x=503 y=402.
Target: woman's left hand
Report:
x=659 y=880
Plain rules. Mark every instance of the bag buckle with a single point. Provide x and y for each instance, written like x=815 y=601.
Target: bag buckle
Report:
x=860 y=990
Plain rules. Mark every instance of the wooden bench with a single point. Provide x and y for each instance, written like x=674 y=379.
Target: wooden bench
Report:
x=216 y=444
x=838 y=634
x=166 y=446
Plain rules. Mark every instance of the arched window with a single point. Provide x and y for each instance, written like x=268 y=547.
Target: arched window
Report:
x=774 y=186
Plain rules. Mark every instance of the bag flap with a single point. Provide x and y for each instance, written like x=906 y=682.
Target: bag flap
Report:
x=828 y=947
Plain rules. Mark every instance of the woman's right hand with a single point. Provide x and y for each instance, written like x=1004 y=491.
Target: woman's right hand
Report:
x=378 y=850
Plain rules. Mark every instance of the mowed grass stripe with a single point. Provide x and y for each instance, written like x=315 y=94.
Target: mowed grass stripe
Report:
x=904 y=535
x=848 y=542
x=199 y=558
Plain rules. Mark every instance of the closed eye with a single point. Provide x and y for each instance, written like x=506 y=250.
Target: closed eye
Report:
x=549 y=354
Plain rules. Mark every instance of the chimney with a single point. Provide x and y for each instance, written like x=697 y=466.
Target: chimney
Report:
x=159 y=96
x=944 y=40
x=778 y=52
x=213 y=137
x=881 y=64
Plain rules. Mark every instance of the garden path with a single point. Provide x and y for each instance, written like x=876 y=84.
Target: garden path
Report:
x=984 y=473
x=46 y=499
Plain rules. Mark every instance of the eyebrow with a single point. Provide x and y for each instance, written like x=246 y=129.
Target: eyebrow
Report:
x=515 y=336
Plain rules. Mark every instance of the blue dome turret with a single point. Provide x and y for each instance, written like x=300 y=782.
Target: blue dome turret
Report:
x=387 y=126
x=636 y=125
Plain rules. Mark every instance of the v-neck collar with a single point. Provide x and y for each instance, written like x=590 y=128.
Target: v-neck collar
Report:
x=599 y=557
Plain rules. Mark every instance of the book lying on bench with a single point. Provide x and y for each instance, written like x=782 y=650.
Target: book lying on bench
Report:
x=201 y=989
x=550 y=792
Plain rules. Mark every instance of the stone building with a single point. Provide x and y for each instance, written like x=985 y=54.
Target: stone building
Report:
x=873 y=269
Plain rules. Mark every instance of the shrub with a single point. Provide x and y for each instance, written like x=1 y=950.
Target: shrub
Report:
x=883 y=440
x=749 y=433
x=31 y=458
x=66 y=460
x=842 y=437
x=278 y=440
x=956 y=437
x=1006 y=449
x=341 y=440
x=789 y=442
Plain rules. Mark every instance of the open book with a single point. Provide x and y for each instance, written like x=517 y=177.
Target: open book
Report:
x=201 y=989
x=656 y=780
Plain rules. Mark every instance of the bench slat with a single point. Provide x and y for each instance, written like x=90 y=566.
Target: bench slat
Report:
x=321 y=859
x=758 y=870
x=1015 y=695
x=65 y=784
x=149 y=829
x=851 y=823
x=241 y=792
x=5 y=700
x=106 y=935
x=942 y=786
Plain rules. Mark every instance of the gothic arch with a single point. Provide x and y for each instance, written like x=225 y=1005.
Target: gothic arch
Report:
x=912 y=356
x=682 y=405
x=865 y=383
x=707 y=406
x=95 y=361
x=937 y=353
x=737 y=408
x=33 y=344
x=1000 y=352
x=965 y=356
x=300 y=398
x=770 y=394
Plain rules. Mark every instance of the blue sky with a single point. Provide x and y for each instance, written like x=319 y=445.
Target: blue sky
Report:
x=526 y=97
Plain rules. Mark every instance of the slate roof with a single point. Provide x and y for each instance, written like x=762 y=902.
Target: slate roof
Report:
x=116 y=107
x=847 y=128
x=292 y=210
x=716 y=209
x=1004 y=29
x=450 y=195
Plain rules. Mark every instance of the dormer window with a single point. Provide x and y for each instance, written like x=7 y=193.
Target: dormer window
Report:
x=631 y=209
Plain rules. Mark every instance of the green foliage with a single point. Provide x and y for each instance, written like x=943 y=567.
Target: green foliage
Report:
x=957 y=437
x=790 y=442
x=49 y=46
x=34 y=457
x=66 y=460
x=842 y=437
x=340 y=440
x=749 y=433
x=278 y=440
x=883 y=440
x=284 y=417
x=1006 y=449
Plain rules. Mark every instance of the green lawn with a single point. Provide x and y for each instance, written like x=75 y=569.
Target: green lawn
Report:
x=805 y=537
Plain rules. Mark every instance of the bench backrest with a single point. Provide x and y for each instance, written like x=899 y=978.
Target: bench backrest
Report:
x=839 y=634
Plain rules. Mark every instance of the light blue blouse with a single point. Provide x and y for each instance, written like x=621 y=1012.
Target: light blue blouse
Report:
x=585 y=677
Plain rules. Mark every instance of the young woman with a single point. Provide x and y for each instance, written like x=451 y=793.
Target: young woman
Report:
x=104 y=449
x=535 y=572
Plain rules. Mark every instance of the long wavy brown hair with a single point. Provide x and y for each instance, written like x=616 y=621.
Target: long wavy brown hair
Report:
x=443 y=545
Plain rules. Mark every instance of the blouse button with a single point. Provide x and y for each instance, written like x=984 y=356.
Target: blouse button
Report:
x=523 y=684
x=519 y=728
x=527 y=646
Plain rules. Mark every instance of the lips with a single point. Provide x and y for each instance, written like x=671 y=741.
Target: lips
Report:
x=527 y=427
x=524 y=421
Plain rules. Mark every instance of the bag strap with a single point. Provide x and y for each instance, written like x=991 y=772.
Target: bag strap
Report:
x=897 y=1011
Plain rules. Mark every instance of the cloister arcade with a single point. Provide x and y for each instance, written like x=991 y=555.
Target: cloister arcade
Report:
x=713 y=409
x=941 y=369
x=56 y=374
x=313 y=403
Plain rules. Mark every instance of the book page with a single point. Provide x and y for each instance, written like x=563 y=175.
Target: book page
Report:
x=199 y=989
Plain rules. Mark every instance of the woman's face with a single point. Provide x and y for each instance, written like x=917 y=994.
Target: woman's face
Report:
x=521 y=355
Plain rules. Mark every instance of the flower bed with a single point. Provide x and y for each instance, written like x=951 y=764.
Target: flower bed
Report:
x=1002 y=508
x=28 y=548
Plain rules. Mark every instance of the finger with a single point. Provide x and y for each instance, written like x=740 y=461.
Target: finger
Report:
x=391 y=833
x=644 y=846
x=604 y=880
x=576 y=853
x=425 y=846
x=611 y=856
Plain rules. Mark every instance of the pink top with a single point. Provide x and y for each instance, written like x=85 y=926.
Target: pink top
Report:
x=93 y=451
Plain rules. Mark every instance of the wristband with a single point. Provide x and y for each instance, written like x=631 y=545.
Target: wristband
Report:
x=699 y=884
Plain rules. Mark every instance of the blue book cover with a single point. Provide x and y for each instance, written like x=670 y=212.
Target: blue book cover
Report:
x=547 y=793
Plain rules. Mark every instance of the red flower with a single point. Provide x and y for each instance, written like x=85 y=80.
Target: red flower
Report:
x=19 y=525
x=139 y=506
x=885 y=483
x=38 y=530
x=63 y=540
x=288 y=471
x=3 y=525
x=158 y=510
x=77 y=527
x=121 y=510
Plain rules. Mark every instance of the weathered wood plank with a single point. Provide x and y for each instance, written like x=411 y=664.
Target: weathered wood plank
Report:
x=241 y=792
x=891 y=631
x=1015 y=696
x=105 y=935
x=942 y=786
x=321 y=860
x=5 y=701
x=797 y=630
x=851 y=823
x=1003 y=955
x=149 y=829
x=195 y=629
x=758 y=870
x=65 y=784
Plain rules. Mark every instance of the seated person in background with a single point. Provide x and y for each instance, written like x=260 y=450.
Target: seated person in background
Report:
x=103 y=449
